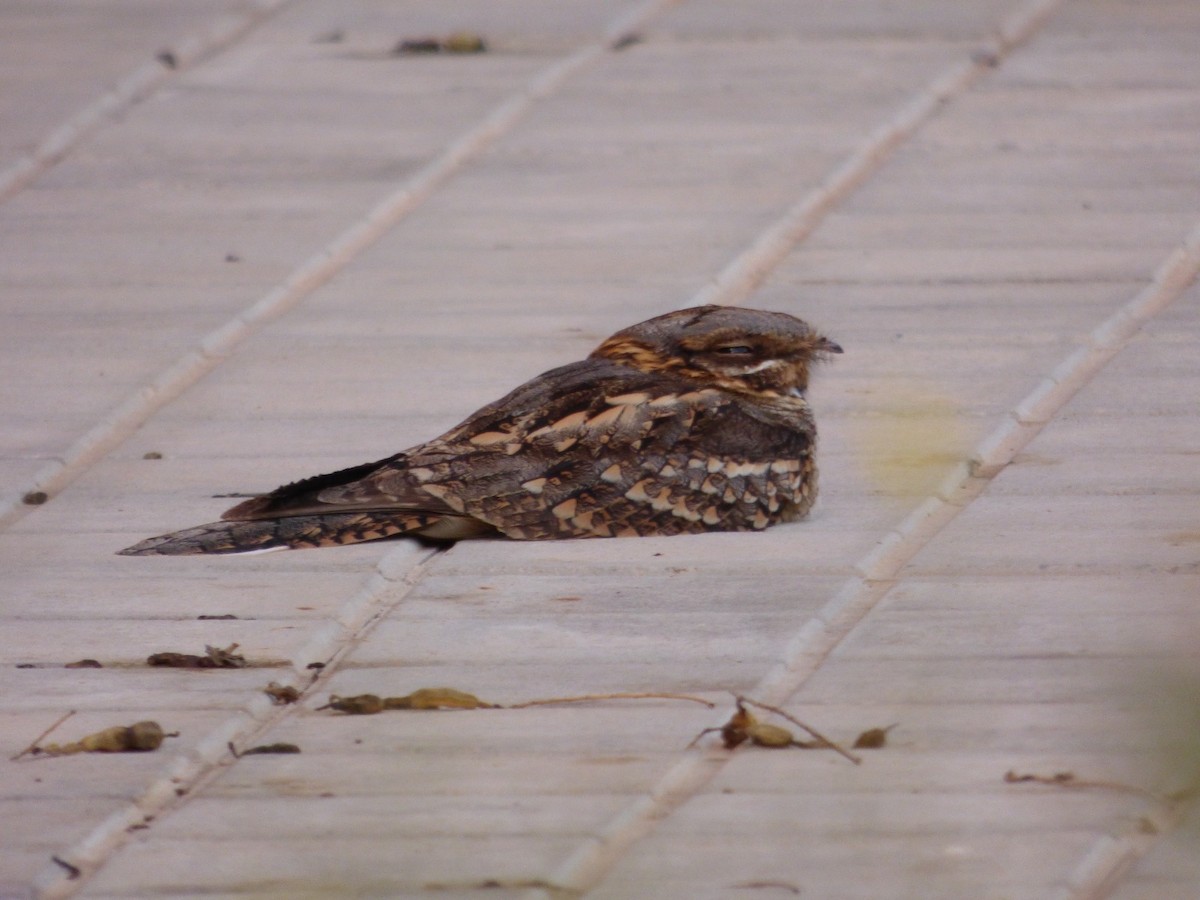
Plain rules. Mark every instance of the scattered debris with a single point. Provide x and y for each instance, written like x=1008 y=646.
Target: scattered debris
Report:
x=625 y=41
x=336 y=36
x=263 y=749
x=84 y=664
x=37 y=740
x=152 y=454
x=35 y=498
x=776 y=885
x=1011 y=777
x=452 y=698
x=436 y=698
x=232 y=258
x=417 y=45
x=744 y=726
x=458 y=42
x=168 y=59
x=73 y=872
x=358 y=705
x=873 y=738
x=214 y=658
x=1069 y=780
x=223 y=617
x=138 y=737
x=985 y=57
x=281 y=694
x=588 y=698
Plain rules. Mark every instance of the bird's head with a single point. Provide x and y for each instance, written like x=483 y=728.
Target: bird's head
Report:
x=748 y=351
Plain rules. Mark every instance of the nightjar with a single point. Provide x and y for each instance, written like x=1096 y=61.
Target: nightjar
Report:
x=689 y=422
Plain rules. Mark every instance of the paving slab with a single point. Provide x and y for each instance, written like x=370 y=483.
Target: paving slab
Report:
x=294 y=250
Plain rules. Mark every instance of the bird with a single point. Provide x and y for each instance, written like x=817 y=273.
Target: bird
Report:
x=693 y=421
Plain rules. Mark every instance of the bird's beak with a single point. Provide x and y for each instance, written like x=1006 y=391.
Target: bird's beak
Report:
x=828 y=346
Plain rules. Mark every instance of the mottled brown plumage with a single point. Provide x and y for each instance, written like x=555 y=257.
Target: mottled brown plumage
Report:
x=693 y=421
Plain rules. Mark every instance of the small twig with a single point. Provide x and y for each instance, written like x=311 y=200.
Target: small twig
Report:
x=1068 y=780
x=824 y=741
x=589 y=697
x=37 y=740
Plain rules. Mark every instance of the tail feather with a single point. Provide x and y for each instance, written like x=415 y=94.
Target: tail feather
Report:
x=289 y=532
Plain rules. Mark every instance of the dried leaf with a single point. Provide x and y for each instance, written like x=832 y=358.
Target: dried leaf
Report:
x=359 y=705
x=436 y=698
x=744 y=726
x=820 y=739
x=214 y=658
x=272 y=748
x=872 y=738
x=764 y=734
x=139 y=737
x=173 y=660
x=281 y=694
x=464 y=42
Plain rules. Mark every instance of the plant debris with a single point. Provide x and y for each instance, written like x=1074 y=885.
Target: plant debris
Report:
x=425 y=698
x=588 y=698
x=1011 y=777
x=72 y=871
x=35 y=498
x=744 y=726
x=436 y=698
x=281 y=694
x=452 y=698
x=873 y=738
x=458 y=42
x=625 y=41
x=269 y=748
x=775 y=885
x=214 y=658
x=32 y=746
x=84 y=664
x=138 y=737
x=1069 y=780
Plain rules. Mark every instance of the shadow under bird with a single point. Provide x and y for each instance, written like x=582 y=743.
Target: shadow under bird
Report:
x=693 y=421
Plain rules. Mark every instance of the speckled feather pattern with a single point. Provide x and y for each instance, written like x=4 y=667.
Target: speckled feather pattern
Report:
x=690 y=422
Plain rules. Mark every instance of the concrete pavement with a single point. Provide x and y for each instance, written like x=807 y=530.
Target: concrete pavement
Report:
x=291 y=251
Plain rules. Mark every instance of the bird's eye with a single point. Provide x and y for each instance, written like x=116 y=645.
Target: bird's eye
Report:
x=735 y=350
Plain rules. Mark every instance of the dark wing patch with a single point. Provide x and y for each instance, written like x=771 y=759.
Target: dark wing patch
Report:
x=592 y=449
x=612 y=452
x=342 y=491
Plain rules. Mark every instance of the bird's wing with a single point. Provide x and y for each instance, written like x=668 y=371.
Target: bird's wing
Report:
x=589 y=449
x=597 y=449
x=347 y=490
